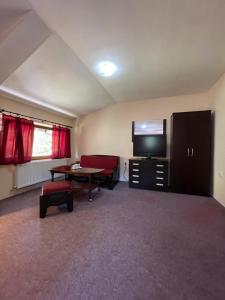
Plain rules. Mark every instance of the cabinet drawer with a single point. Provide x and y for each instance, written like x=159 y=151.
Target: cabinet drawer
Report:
x=135 y=175
x=160 y=166
x=135 y=170
x=159 y=172
x=135 y=181
x=135 y=164
x=160 y=179
x=160 y=186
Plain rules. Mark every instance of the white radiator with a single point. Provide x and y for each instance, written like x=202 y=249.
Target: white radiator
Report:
x=36 y=171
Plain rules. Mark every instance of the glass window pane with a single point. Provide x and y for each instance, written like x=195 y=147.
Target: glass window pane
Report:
x=42 y=145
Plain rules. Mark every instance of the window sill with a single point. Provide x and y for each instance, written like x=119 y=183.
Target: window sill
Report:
x=33 y=161
x=41 y=158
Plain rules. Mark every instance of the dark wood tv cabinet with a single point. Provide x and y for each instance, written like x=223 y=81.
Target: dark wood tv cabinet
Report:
x=150 y=174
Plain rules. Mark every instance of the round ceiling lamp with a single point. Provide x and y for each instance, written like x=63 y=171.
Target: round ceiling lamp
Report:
x=106 y=68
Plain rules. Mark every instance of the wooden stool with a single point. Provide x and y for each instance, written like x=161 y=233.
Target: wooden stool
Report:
x=55 y=193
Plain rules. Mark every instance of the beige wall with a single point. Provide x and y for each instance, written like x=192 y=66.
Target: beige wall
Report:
x=108 y=131
x=7 y=172
x=217 y=93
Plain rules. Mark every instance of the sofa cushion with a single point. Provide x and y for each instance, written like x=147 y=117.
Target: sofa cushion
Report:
x=56 y=186
x=102 y=162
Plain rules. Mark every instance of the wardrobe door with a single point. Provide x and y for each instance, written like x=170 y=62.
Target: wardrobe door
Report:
x=180 y=153
x=200 y=152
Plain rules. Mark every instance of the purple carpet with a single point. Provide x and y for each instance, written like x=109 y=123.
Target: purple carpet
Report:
x=127 y=244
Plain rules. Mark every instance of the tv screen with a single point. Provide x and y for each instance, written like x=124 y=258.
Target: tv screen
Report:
x=149 y=145
x=149 y=127
x=154 y=127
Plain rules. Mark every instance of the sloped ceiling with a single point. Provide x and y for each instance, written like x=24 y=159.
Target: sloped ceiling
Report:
x=21 y=42
x=162 y=48
x=55 y=75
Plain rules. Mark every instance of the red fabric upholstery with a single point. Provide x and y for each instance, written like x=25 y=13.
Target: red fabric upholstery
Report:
x=101 y=162
x=56 y=186
x=110 y=165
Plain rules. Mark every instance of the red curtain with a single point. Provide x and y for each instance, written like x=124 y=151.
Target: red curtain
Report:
x=27 y=130
x=16 y=140
x=60 y=142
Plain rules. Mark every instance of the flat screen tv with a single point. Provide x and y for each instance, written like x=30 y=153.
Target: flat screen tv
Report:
x=149 y=145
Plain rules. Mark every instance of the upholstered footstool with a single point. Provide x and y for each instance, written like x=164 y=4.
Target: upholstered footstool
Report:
x=55 y=193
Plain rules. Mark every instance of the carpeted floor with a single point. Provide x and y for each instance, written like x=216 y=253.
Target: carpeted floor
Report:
x=127 y=244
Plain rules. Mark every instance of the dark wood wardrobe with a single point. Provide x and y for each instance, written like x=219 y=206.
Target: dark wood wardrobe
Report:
x=191 y=144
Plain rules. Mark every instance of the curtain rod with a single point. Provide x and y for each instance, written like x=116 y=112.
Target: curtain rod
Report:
x=30 y=117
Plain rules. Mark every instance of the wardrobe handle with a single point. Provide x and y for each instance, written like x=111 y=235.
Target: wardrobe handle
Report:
x=192 y=152
x=188 y=151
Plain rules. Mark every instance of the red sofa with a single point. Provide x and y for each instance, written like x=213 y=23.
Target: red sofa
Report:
x=110 y=164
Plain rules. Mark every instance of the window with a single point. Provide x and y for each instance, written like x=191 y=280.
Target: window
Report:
x=31 y=141
x=42 y=144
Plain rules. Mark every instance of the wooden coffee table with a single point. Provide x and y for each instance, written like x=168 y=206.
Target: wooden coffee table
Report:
x=83 y=172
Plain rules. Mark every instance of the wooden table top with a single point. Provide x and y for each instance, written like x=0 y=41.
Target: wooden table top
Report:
x=80 y=171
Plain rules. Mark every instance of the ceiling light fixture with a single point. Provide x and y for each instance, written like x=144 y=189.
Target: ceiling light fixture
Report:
x=106 y=68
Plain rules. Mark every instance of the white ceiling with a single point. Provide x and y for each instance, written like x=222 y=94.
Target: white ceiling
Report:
x=55 y=75
x=162 y=48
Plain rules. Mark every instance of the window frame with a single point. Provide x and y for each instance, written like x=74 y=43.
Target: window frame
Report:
x=48 y=127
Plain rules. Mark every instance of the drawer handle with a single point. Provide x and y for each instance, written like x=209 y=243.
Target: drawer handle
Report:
x=135 y=164
x=159 y=184
x=135 y=175
x=160 y=166
x=160 y=172
x=135 y=181
x=159 y=178
x=136 y=170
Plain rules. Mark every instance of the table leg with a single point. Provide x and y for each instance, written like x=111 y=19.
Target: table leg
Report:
x=90 y=196
x=52 y=175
